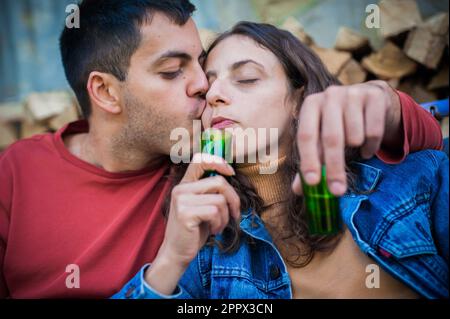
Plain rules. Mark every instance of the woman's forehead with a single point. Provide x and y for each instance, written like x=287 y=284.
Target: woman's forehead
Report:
x=239 y=48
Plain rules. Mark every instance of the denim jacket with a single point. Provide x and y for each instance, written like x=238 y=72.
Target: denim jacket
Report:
x=402 y=225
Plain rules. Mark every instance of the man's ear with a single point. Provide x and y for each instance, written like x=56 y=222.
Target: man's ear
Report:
x=104 y=91
x=297 y=100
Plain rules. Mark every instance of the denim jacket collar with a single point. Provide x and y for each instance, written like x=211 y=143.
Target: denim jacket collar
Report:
x=253 y=225
x=369 y=176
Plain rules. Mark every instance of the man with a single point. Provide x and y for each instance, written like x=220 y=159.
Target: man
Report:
x=80 y=210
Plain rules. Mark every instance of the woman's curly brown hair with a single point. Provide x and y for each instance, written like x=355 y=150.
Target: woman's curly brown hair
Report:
x=305 y=71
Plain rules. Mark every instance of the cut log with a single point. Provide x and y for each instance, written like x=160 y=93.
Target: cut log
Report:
x=42 y=106
x=425 y=48
x=69 y=114
x=28 y=129
x=437 y=24
x=7 y=135
x=334 y=60
x=294 y=26
x=397 y=16
x=417 y=91
x=440 y=80
x=426 y=43
x=389 y=63
x=352 y=73
x=11 y=112
x=393 y=83
x=350 y=40
x=207 y=37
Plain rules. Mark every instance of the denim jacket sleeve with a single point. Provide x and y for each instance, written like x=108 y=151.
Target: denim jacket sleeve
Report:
x=190 y=286
x=440 y=204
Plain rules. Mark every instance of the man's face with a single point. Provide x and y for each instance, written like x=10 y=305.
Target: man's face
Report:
x=165 y=84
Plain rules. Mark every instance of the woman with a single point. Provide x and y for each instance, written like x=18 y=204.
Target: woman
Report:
x=395 y=217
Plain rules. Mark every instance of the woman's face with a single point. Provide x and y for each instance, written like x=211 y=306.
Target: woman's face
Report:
x=248 y=89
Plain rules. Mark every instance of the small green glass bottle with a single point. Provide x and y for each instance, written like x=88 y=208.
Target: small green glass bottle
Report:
x=216 y=142
x=322 y=208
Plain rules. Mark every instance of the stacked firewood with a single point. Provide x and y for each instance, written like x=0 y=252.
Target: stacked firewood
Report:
x=39 y=113
x=413 y=59
x=413 y=56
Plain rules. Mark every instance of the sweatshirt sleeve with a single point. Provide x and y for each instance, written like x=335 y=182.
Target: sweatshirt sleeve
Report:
x=420 y=131
x=5 y=203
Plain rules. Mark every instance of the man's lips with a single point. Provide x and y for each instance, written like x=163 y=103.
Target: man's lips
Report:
x=200 y=107
x=221 y=122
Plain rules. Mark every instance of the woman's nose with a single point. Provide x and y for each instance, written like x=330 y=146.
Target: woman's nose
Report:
x=216 y=96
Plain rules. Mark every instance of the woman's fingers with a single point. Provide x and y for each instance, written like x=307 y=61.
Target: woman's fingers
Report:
x=202 y=162
x=333 y=141
x=198 y=207
x=297 y=185
x=374 y=122
x=308 y=138
x=210 y=200
x=211 y=215
x=354 y=118
x=215 y=184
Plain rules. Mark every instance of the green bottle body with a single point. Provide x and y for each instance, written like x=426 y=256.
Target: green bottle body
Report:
x=321 y=205
x=216 y=142
x=322 y=208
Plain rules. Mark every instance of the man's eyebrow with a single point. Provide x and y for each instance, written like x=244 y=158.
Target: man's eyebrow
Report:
x=173 y=55
x=239 y=64
x=179 y=55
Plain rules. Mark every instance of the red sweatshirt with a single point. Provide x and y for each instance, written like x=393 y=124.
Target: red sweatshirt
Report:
x=58 y=212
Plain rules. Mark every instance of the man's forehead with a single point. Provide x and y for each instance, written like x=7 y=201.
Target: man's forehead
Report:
x=162 y=35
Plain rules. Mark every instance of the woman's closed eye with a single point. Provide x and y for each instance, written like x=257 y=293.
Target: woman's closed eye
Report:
x=247 y=81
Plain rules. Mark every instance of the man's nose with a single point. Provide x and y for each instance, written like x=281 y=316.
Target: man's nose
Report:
x=199 y=85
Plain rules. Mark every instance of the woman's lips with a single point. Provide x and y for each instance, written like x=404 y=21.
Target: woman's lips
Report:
x=222 y=124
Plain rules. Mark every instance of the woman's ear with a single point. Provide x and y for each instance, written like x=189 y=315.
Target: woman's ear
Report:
x=297 y=100
x=104 y=92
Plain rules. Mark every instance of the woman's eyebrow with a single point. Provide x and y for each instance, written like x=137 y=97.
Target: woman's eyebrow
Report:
x=239 y=64
x=235 y=66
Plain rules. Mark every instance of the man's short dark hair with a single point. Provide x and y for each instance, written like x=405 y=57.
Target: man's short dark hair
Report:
x=108 y=35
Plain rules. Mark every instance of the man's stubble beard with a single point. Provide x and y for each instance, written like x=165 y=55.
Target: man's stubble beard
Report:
x=145 y=130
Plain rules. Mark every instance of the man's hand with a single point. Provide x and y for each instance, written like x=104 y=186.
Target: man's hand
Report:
x=365 y=115
x=198 y=208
